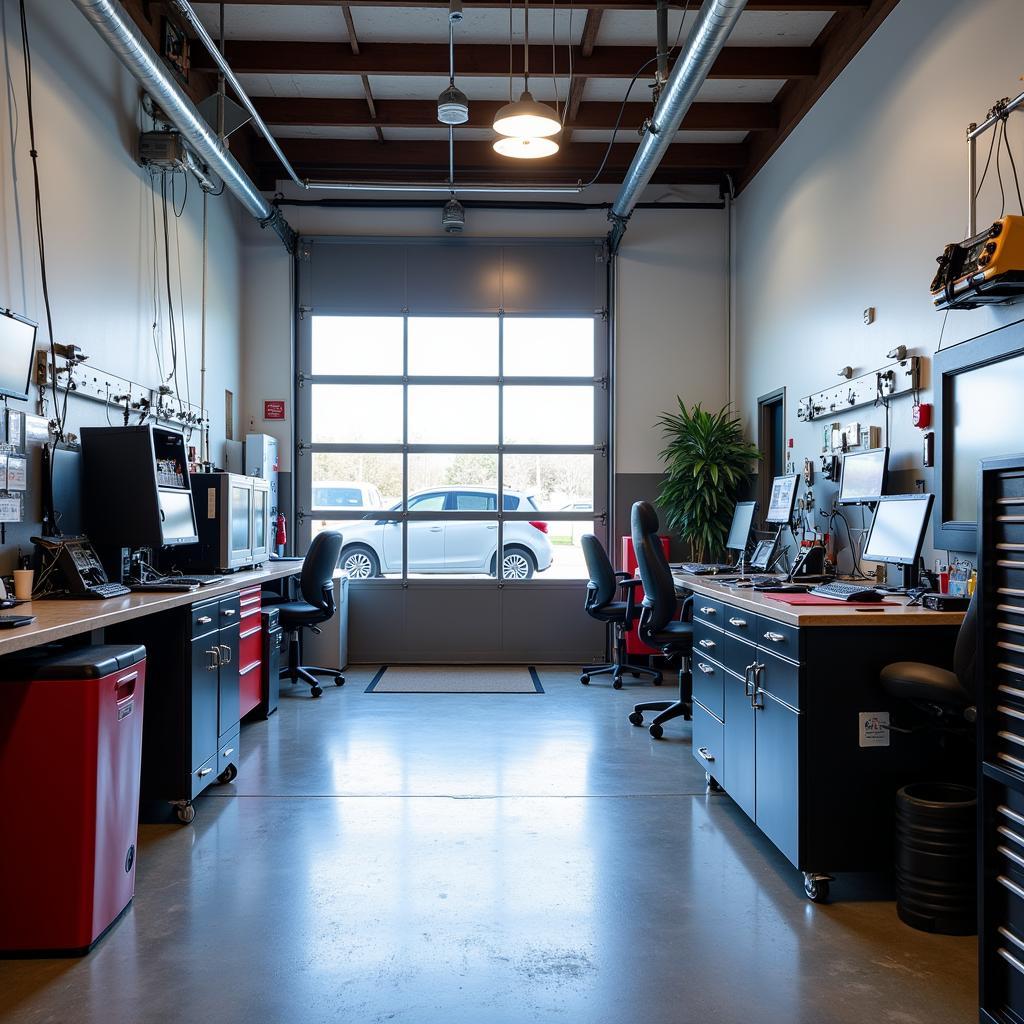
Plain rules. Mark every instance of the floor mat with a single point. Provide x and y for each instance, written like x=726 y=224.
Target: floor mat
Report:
x=456 y=679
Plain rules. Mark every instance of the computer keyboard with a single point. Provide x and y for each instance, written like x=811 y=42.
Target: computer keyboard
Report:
x=836 y=591
x=101 y=591
x=703 y=569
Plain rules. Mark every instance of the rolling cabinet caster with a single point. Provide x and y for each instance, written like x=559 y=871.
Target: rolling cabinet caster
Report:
x=585 y=679
x=185 y=811
x=816 y=886
x=228 y=775
x=712 y=783
x=656 y=731
x=636 y=717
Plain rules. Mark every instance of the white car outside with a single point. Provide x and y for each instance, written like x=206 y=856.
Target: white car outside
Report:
x=374 y=547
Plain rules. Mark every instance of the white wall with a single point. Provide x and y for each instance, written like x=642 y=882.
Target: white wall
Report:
x=98 y=218
x=671 y=306
x=853 y=209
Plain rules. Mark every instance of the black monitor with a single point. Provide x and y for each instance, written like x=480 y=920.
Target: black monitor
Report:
x=62 y=491
x=863 y=476
x=17 y=349
x=742 y=523
x=780 y=507
x=897 y=531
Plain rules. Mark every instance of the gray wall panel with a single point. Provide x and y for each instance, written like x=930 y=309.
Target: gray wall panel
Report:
x=551 y=279
x=453 y=279
x=528 y=636
x=356 y=278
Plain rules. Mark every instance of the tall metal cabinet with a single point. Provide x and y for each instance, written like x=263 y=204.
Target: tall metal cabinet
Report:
x=1000 y=675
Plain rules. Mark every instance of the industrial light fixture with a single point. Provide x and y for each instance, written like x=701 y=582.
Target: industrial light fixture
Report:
x=528 y=125
x=452 y=104
x=453 y=216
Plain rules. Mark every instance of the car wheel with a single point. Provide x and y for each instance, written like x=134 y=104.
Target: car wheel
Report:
x=360 y=562
x=517 y=564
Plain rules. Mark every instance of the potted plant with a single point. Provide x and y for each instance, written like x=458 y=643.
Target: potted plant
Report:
x=707 y=463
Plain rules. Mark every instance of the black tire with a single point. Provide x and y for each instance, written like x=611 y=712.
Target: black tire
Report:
x=516 y=559
x=636 y=717
x=365 y=563
x=656 y=731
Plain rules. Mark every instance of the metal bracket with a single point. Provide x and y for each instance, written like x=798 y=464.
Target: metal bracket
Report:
x=303 y=310
x=889 y=381
x=300 y=378
x=301 y=448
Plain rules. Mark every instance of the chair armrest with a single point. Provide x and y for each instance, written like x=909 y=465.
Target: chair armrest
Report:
x=630 y=584
x=623 y=575
x=686 y=613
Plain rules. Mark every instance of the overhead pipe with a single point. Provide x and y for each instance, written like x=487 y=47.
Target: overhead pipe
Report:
x=122 y=35
x=715 y=22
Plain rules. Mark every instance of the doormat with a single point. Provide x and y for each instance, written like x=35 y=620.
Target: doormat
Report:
x=456 y=679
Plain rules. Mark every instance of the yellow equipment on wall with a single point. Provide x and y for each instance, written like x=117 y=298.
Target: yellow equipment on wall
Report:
x=983 y=270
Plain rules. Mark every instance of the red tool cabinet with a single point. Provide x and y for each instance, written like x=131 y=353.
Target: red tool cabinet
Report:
x=70 y=759
x=634 y=645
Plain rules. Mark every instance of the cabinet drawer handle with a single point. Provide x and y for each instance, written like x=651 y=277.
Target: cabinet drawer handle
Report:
x=203 y=772
x=738 y=622
x=228 y=752
x=214 y=653
x=229 y=612
x=706 y=669
x=227 y=657
x=704 y=753
x=757 y=697
x=776 y=638
x=204 y=620
x=707 y=644
x=707 y=610
x=748 y=681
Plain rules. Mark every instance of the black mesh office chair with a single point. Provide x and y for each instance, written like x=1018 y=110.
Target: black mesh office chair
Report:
x=316 y=584
x=938 y=691
x=600 y=604
x=658 y=625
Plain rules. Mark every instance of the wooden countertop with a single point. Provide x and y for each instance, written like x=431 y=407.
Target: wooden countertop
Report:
x=58 y=619
x=834 y=614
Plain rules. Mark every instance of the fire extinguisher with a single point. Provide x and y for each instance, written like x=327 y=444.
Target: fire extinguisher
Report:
x=281 y=538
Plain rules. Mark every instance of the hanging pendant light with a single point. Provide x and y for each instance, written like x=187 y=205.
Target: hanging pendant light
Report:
x=526 y=124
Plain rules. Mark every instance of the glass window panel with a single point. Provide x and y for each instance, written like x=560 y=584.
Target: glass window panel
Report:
x=346 y=482
x=453 y=414
x=452 y=472
x=554 y=483
x=549 y=415
x=371 y=548
x=453 y=346
x=549 y=347
x=567 y=561
x=357 y=345
x=357 y=413
x=434 y=502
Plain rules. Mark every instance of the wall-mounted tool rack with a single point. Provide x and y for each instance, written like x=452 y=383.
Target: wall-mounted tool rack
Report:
x=890 y=381
x=87 y=381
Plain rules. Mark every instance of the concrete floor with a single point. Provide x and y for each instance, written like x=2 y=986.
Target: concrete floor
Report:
x=482 y=860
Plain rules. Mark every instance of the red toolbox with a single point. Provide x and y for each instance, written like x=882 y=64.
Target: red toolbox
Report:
x=634 y=645
x=70 y=759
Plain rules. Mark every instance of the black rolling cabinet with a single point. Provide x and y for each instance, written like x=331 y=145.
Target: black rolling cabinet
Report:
x=1000 y=675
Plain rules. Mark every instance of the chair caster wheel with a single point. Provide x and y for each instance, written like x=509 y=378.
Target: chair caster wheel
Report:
x=712 y=782
x=657 y=682
x=315 y=691
x=656 y=731
x=616 y=682
x=339 y=680
x=228 y=775
x=585 y=679
x=636 y=717
x=816 y=887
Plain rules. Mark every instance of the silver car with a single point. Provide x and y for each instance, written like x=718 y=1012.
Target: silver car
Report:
x=374 y=547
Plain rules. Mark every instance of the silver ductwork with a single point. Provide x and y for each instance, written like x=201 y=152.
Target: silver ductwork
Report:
x=715 y=22
x=116 y=27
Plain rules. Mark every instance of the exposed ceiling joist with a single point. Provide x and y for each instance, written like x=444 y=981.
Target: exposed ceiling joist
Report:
x=591 y=27
x=353 y=44
x=492 y=61
x=351 y=113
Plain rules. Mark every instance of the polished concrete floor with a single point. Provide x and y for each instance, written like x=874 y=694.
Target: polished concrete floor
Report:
x=480 y=859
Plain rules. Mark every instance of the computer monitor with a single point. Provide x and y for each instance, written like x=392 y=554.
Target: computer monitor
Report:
x=863 y=476
x=742 y=522
x=780 y=507
x=897 y=531
x=17 y=349
x=177 y=519
x=62 y=491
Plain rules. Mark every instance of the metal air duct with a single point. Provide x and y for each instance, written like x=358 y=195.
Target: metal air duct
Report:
x=121 y=34
x=715 y=22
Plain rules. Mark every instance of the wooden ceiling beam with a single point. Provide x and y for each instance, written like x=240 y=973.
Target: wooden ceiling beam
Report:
x=351 y=113
x=492 y=61
x=353 y=43
x=591 y=27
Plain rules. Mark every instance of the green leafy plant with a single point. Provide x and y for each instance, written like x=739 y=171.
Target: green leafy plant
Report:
x=707 y=463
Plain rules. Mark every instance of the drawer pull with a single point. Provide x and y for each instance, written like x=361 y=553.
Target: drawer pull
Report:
x=707 y=644
x=1012 y=815
x=739 y=623
x=1008 y=883
x=229 y=612
x=203 y=772
x=1007 y=934
x=707 y=610
x=776 y=638
x=228 y=752
x=204 y=620
x=1010 y=855
x=214 y=653
x=705 y=668
x=1011 y=960
x=705 y=754
x=748 y=680
x=227 y=656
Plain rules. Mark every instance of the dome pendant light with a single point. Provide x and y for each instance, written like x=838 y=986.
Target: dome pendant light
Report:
x=528 y=126
x=452 y=104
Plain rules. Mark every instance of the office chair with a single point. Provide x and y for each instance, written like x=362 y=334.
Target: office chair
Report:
x=658 y=626
x=316 y=585
x=600 y=604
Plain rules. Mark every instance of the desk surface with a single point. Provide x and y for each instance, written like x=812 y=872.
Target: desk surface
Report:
x=833 y=614
x=58 y=619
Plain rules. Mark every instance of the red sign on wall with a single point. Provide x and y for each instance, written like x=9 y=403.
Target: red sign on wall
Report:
x=273 y=409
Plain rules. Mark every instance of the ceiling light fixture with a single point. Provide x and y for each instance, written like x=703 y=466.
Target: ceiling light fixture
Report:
x=528 y=126
x=452 y=104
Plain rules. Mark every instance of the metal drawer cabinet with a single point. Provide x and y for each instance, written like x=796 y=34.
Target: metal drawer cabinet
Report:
x=708 y=676
x=708 y=741
x=707 y=609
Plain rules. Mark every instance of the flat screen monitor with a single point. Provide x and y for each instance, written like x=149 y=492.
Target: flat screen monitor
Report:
x=898 y=528
x=863 y=476
x=62 y=491
x=780 y=507
x=177 y=520
x=17 y=349
x=742 y=522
